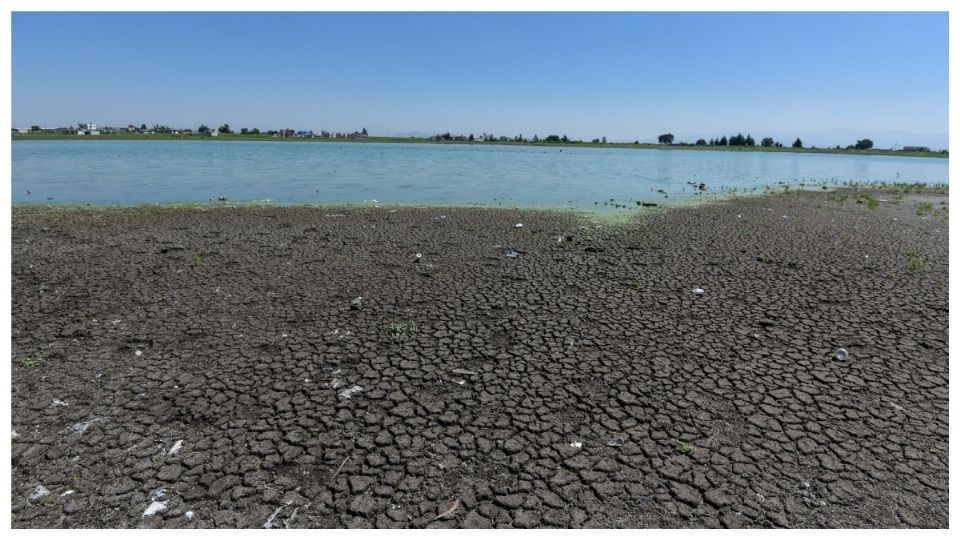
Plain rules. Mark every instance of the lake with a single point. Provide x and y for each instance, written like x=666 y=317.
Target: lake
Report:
x=132 y=172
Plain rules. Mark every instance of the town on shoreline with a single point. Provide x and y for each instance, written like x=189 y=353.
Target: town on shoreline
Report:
x=738 y=142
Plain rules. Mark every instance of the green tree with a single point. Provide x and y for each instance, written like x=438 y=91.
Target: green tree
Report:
x=723 y=141
x=798 y=143
x=364 y=131
x=143 y=127
x=749 y=141
x=701 y=142
x=767 y=142
x=34 y=128
x=864 y=144
x=203 y=129
x=225 y=129
x=666 y=138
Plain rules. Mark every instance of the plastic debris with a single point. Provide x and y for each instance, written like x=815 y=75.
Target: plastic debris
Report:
x=459 y=371
x=349 y=392
x=519 y=225
x=175 y=448
x=841 y=354
x=154 y=507
x=512 y=254
x=615 y=441
x=67 y=492
x=188 y=514
x=698 y=291
x=58 y=403
x=81 y=427
x=14 y=434
x=39 y=493
x=356 y=303
x=331 y=369
x=138 y=353
x=447 y=512
x=576 y=444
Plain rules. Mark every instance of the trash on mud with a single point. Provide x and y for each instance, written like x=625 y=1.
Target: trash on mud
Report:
x=138 y=352
x=81 y=427
x=576 y=444
x=67 y=492
x=512 y=254
x=349 y=392
x=841 y=354
x=39 y=493
x=356 y=303
x=334 y=215
x=14 y=434
x=175 y=448
x=58 y=403
x=417 y=257
x=331 y=369
x=188 y=514
x=441 y=217
x=154 y=507
x=739 y=216
x=698 y=291
x=269 y=523
x=615 y=441
x=336 y=383
x=459 y=371
x=519 y=225
x=559 y=239
x=447 y=512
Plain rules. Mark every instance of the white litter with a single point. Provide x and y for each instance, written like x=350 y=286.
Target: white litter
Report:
x=349 y=392
x=188 y=514
x=154 y=507
x=739 y=216
x=269 y=523
x=67 y=492
x=39 y=493
x=175 y=448
x=58 y=403
x=336 y=383
x=139 y=353
x=519 y=225
x=576 y=444
x=81 y=427
x=13 y=434
x=698 y=291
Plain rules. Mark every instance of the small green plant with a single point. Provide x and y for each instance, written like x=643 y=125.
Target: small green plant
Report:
x=32 y=361
x=682 y=447
x=924 y=208
x=398 y=329
x=915 y=264
x=197 y=261
x=841 y=198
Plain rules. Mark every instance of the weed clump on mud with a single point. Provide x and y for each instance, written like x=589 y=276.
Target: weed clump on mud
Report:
x=32 y=361
x=399 y=329
x=682 y=447
x=870 y=201
x=924 y=208
x=915 y=264
x=197 y=261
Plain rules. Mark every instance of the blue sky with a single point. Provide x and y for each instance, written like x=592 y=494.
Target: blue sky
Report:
x=826 y=76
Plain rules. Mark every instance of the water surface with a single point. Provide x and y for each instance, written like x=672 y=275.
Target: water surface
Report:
x=133 y=172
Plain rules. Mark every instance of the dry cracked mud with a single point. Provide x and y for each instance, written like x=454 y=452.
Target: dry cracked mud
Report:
x=207 y=368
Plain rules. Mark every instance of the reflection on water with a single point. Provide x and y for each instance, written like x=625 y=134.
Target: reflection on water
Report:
x=127 y=172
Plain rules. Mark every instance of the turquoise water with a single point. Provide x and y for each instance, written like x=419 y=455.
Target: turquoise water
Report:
x=132 y=172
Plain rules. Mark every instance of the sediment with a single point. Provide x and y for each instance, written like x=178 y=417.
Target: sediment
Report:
x=211 y=365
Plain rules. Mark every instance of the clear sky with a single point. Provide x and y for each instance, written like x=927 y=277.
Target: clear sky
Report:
x=826 y=76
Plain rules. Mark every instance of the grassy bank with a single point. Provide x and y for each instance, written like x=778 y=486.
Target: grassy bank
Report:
x=415 y=140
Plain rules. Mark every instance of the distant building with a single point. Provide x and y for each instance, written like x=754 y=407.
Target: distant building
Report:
x=20 y=131
x=915 y=149
x=307 y=133
x=87 y=129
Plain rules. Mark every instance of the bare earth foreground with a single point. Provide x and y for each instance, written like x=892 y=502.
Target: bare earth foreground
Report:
x=205 y=367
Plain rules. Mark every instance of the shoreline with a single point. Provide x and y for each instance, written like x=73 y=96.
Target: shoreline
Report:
x=401 y=140
x=479 y=353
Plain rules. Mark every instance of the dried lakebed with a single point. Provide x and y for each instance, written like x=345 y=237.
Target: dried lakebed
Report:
x=211 y=368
